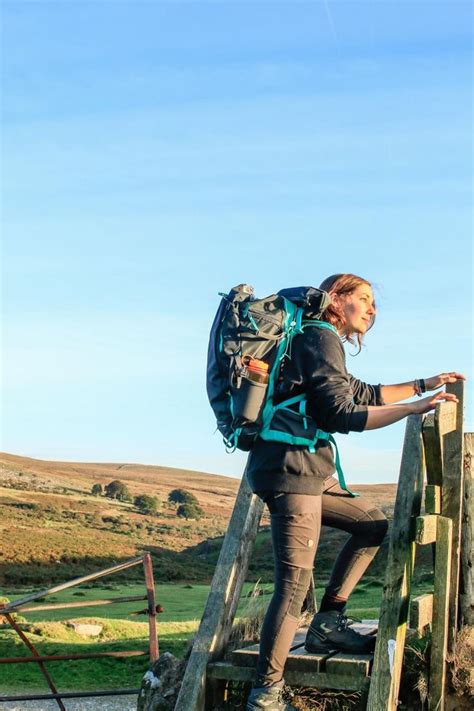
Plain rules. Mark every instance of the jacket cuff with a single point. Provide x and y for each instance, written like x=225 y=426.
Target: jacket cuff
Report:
x=358 y=420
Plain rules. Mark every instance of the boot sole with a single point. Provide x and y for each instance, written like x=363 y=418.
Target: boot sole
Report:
x=325 y=647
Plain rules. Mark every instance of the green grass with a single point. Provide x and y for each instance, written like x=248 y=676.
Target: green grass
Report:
x=55 y=638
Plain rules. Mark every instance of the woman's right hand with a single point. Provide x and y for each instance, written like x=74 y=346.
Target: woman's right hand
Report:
x=426 y=404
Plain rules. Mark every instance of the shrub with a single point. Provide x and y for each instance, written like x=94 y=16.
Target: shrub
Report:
x=117 y=490
x=97 y=490
x=181 y=496
x=146 y=504
x=190 y=511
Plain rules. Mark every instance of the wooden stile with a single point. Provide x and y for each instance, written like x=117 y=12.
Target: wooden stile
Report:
x=377 y=677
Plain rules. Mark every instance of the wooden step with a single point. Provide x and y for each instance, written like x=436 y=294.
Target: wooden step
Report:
x=319 y=680
x=299 y=660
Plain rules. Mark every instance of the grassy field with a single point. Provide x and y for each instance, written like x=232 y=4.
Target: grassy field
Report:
x=183 y=605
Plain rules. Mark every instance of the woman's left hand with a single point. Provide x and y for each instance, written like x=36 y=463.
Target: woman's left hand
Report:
x=437 y=381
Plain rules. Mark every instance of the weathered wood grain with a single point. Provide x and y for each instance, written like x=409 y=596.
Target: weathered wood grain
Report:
x=385 y=680
x=433 y=450
x=421 y=612
x=319 y=680
x=446 y=416
x=426 y=529
x=452 y=502
x=348 y=664
x=433 y=499
x=440 y=625
x=467 y=535
x=223 y=598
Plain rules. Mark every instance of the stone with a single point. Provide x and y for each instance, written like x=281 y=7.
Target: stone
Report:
x=86 y=630
x=160 y=685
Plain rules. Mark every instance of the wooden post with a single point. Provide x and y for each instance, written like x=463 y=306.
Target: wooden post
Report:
x=394 y=610
x=467 y=535
x=452 y=502
x=223 y=598
x=440 y=624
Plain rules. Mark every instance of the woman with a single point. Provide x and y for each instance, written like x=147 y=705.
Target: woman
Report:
x=301 y=493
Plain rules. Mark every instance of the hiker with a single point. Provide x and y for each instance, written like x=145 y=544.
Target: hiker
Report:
x=301 y=492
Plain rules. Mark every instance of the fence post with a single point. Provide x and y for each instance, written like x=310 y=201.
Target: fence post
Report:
x=467 y=533
x=223 y=598
x=452 y=502
x=385 y=681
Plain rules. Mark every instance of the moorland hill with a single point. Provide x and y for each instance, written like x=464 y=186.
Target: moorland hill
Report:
x=52 y=528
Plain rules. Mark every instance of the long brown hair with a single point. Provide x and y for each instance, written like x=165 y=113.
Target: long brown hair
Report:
x=343 y=285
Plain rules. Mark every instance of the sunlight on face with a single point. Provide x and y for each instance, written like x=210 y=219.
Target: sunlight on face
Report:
x=358 y=310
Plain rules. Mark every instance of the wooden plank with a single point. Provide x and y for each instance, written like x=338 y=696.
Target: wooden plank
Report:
x=385 y=681
x=446 y=416
x=421 y=612
x=345 y=664
x=452 y=502
x=433 y=499
x=301 y=660
x=298 y=658
x=223 y=598
x=319 y=680
x=440 y=626
x=467 y=535
x=426 y=529
x=433 y=450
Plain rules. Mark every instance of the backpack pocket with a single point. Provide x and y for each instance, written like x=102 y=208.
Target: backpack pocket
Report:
x=248 y=400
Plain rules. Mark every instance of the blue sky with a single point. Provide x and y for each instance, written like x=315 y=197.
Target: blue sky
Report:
x=156 y=153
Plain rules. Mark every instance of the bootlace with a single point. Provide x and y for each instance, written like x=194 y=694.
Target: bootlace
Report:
x=343 y=622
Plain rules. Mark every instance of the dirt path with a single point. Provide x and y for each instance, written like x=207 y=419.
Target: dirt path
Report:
x=101 y=703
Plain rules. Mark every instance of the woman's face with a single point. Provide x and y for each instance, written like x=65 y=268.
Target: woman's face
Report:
x=357 y=310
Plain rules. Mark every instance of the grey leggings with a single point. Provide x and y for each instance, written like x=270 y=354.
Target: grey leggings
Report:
x=296 y=523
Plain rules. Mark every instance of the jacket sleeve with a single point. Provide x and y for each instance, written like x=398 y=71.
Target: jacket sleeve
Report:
x=331 y=401
x=365 y=394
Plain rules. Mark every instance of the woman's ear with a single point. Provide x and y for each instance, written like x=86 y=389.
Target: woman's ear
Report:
x=335 y=300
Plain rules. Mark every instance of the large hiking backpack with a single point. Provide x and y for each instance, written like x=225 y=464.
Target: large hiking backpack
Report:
x=248 y=331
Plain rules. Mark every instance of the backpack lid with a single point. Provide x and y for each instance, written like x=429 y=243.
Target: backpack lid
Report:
x=314 y=301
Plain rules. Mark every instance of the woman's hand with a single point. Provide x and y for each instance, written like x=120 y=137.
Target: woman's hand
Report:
x=437 y=381
x=426 y=404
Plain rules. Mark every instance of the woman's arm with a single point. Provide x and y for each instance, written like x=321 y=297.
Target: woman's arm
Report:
x=402 y=391
x=384 y=415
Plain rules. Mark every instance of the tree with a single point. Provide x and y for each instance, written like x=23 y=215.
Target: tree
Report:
x=117 y=490
x=190 y=511
x=181 y=496
x=146 y=504
x=97 y=490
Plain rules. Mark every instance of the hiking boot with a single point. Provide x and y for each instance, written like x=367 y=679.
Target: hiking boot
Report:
x=268 y=698
x=331 y=630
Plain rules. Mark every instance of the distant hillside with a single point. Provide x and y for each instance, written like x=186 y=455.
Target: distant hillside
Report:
x=52 y=528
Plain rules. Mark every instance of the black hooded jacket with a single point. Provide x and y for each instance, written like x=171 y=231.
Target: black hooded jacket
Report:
x=335 y=400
